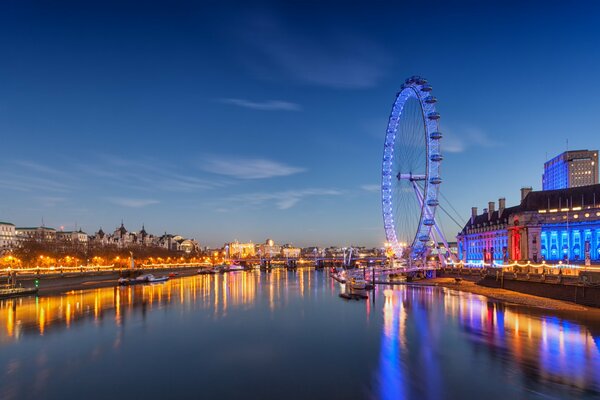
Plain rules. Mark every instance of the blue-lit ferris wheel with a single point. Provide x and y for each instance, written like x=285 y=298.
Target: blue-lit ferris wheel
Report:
x=411 y=172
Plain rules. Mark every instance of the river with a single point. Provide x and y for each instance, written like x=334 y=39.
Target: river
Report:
x=288 y=335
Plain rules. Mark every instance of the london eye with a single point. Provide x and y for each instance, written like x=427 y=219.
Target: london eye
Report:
x=411 y=173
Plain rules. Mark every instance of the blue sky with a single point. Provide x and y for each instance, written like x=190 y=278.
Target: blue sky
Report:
x=222 y=121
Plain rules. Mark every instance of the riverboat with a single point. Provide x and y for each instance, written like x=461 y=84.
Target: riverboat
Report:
x=235 y=267
x=357 y=283
x=146 y=278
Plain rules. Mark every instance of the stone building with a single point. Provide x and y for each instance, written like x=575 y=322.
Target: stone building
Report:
x=79 y=236
x=41 y=233
x=551 y=225
x=8 y=236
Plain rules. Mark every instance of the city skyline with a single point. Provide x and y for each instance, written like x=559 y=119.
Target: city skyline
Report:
x=269 y=122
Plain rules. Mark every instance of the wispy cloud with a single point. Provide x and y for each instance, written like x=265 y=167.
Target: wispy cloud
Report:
x=27 y=176
x=132 y=202
x=248 y=168
x=341 y=59
x=282 y=200
x=270 y=105
x=468 y=138
x=51 y=201
x=146 y=174
x=371 y=188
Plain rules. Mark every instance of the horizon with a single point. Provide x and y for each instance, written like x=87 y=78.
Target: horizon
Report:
x=269 y=122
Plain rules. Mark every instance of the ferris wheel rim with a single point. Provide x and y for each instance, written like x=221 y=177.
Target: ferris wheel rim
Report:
x=418 y=88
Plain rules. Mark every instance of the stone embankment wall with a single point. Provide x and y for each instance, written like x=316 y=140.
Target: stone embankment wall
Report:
x=567 y=288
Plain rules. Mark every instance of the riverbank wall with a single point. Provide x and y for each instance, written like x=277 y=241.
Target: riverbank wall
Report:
x=62 y=282
x=579 y=294
x=553 y=286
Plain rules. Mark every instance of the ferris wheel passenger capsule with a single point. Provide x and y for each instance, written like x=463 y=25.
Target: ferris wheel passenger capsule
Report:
x=436 y=180
x=436 y=157
x=433 y=203
x=434 y=115
x=435 y=135
x=430 y=99
x=428 y=222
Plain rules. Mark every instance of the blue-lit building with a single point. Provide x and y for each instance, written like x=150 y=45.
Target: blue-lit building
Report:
x=551 y=225
x=571 y=169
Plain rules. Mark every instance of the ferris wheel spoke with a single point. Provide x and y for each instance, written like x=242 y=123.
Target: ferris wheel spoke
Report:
x=412 y=197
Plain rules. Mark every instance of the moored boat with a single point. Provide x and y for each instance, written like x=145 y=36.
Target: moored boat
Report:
x=145 y=278
x=357 y=283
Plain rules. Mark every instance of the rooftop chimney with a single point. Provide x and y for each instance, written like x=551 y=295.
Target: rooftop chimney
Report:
x=525 y=191
x=473 y=214
x=501 y=205
x=491 y=207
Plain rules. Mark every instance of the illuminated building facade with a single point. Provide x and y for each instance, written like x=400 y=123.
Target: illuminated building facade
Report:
x=7 y=235
x=38 y=233
x=269 y=249
x=288 y=251
x=571 y=169
x=240 y=250
x=72 y=236
x=553 y=225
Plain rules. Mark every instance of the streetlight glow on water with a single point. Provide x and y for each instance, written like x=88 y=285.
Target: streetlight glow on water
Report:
x=287 y=334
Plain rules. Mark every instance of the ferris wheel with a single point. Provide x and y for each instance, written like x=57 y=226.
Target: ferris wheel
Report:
x=411 y=173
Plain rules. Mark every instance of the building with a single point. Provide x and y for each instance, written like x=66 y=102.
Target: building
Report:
x=269 y=249
x=121 y=237
x=72 y=236
x=312 y=251
x=100 y=238
x=441 y=249
x=289 y=251
x=40 y=233
x=7 y=236
x=240 y=250
x=550 y=225
x=571 y=169
x=188 y=246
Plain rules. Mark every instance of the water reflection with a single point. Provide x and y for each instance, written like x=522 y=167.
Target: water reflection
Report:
x=405 y=343
x=548 y=354
x=37 y=315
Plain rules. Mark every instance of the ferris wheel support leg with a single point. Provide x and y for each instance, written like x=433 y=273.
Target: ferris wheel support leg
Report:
x=440 y=255
x=443 y=239
x=435 y=226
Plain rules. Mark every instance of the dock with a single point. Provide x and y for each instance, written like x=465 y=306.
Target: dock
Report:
x=354 y=296
x=8 y=293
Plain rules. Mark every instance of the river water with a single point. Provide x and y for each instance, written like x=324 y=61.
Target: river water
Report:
x=288 y=335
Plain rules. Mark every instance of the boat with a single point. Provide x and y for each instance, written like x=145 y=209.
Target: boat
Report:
x=145 y=278
x=235 y=267
x=357 y=283
x=153 y=279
